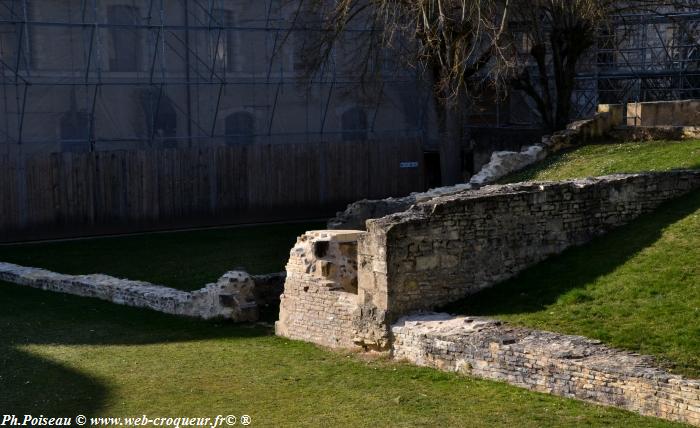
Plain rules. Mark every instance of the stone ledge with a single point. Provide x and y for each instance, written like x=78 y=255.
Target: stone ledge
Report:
x=569 y=366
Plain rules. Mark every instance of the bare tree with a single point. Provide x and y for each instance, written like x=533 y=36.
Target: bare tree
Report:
x=463 y=45
x=452 y=41
x=557 y=35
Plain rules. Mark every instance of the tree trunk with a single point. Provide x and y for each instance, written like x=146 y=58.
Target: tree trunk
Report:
x=450 y=142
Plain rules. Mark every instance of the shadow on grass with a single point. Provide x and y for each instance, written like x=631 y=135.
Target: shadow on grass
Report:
x=541 y=285
x=30 y=384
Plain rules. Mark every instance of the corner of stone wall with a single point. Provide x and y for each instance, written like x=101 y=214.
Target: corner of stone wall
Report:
x=321 y=289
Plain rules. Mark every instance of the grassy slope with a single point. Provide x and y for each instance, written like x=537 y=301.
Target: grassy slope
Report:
x=636 y=288
x=65 y=355
x=185 y=260
x=603 y=159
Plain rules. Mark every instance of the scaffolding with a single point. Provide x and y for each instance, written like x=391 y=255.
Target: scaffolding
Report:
x=92 y=75
x=651 y=56
x=643 y=57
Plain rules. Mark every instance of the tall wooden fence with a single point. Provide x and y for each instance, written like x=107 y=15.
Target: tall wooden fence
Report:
x=78 y=194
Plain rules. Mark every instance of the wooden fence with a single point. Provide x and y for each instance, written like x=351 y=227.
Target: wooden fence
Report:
x=79 y=194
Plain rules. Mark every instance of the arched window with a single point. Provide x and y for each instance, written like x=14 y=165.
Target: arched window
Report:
x=161 y=117
x=240 y=128
x=354 y=122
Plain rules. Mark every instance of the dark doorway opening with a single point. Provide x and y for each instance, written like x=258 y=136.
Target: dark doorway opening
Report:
x=433 y=178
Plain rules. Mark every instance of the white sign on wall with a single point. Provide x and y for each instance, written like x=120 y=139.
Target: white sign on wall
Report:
x=408 y=165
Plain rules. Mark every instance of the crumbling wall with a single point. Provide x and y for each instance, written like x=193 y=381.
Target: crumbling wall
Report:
x=569 y=366
x=448 y=247
x=320 y=291
x=231 y=297
x=452 y=246
x=501 y=164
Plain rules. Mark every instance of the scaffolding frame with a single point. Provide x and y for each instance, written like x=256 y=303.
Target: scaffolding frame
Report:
x=203 y=74
x=640 y=57
x=645 y=57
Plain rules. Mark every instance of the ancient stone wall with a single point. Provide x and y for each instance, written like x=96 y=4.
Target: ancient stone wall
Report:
x=231 y=297
x=320 y=292
x=501 y=163
x=452 y=246
x=569 y=366
x=447 y=247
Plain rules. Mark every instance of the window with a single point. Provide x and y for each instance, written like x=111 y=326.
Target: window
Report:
x=125 y=49
x=75 y=128
x=224 y=42
x=240 y=128
x=354 y=122
x=161 y=117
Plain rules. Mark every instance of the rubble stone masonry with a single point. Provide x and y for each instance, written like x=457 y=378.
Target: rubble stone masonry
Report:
x=232 y=297
x=453 y=246
x=450 y=246
x=320 y=292
x=568 y=366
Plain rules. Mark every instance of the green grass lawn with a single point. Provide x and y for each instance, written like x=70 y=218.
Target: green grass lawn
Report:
x=637 y=287
x=185 y=260
x=603 y=159
x=66 y=355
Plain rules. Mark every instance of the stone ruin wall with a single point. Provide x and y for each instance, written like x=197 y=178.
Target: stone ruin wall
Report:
x=501 y=164
x=237 y=295
x=663 y=120
x=452 y=246
x=568 y=366
x=664 y=113
x=320 y=292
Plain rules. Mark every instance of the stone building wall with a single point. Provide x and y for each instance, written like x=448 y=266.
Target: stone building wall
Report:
x=569 y=366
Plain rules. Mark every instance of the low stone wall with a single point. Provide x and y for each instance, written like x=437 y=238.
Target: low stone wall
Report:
x=501 y=164
x=655 y=133
x=448 y=247
x=569 y=366
x=231 y=297
x=664 y=113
